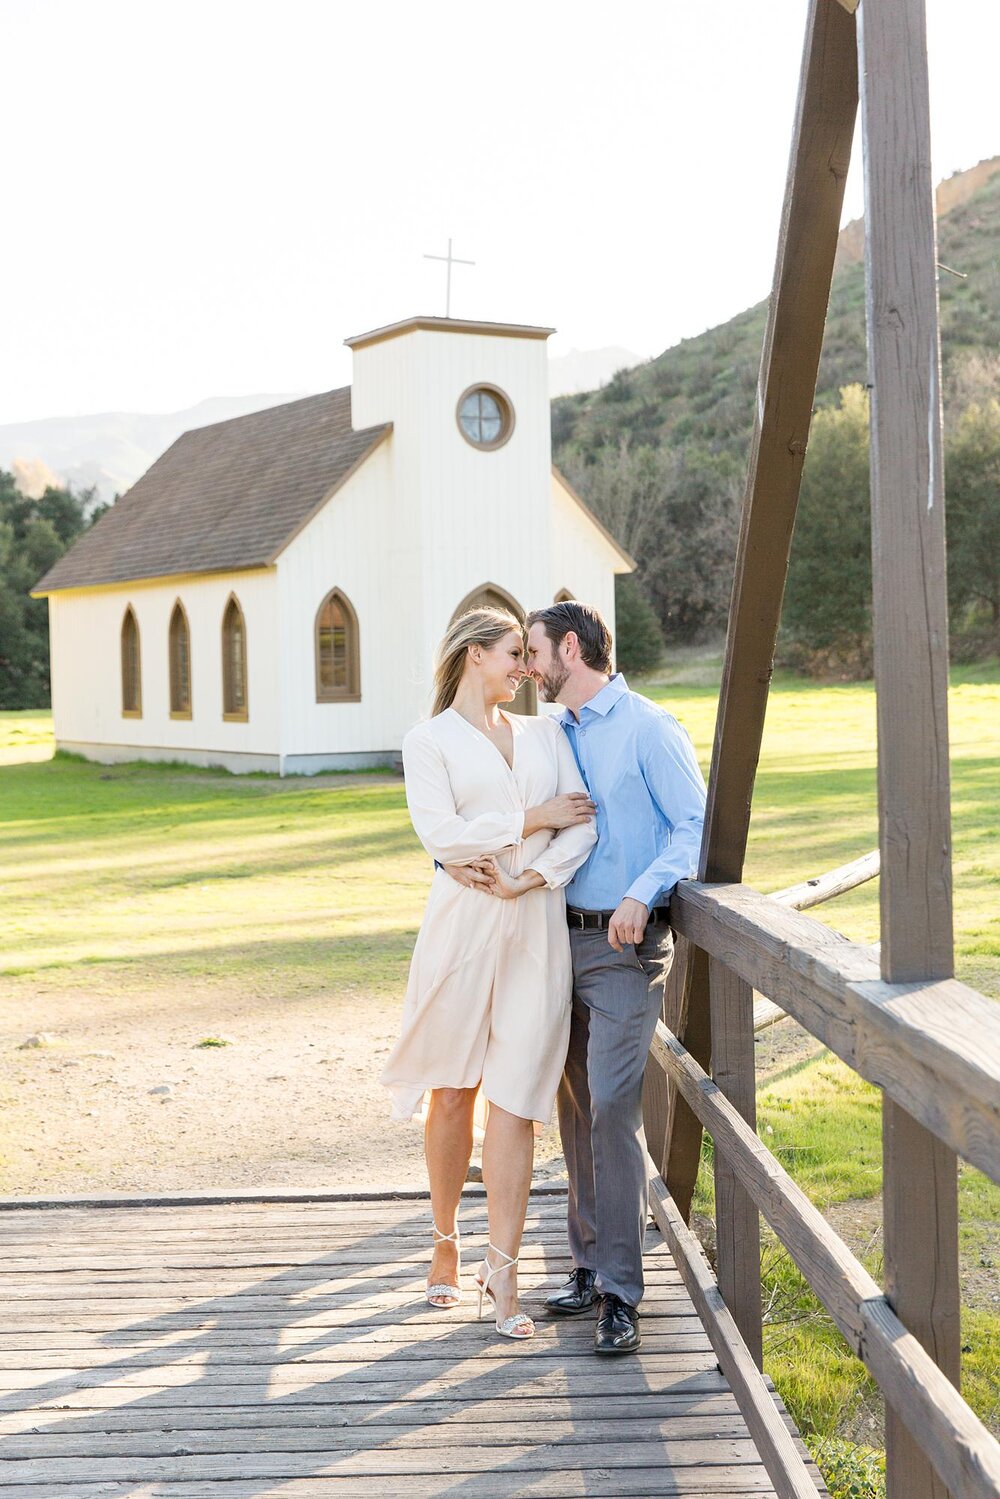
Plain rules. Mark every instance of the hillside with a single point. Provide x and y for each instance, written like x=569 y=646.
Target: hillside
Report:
x=111 y=449
x=702 y=389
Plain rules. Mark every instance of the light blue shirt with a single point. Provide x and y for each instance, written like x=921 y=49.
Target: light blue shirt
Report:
x=640 y=768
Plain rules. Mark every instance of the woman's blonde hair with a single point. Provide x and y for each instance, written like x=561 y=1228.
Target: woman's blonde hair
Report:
x=485 y=627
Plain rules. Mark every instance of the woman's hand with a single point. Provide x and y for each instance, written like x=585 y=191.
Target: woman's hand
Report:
x=475 y=876
x=559 y=812
x=509 y=886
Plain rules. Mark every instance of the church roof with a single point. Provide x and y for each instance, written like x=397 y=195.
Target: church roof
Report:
x=223 y=497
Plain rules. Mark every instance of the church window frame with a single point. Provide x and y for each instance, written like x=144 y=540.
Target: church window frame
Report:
x=564 y=596
x=179 y=662
x=131 y=664
x=325 y=651
x=235 y=699
x=492 y=596
x=505 y=410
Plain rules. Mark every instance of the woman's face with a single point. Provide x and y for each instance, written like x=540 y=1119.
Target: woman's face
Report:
x=502 y=668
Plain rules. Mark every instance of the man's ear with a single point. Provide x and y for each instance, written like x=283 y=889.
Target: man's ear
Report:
x=570 y=645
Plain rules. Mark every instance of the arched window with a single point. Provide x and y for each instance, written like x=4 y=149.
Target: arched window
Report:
x=488 y=595
x=131 y=667
x=564 y=597
x=338 y=652
x=179 y=647
x=234 y=662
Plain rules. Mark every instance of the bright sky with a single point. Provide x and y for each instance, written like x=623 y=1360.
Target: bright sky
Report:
x=205 y=197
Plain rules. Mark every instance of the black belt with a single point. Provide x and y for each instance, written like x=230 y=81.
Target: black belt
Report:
x=599 y=920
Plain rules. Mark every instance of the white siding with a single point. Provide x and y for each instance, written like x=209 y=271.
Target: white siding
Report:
x=484 y=517
x=583 y=560
x=86 y=669
x=366 y=542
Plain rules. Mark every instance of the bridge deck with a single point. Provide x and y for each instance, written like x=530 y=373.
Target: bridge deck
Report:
x=224 y=1351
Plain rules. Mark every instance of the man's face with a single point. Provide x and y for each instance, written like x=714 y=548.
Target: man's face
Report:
x=545 y=664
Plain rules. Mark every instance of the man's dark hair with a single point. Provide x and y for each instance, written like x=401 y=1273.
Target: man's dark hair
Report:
x=585 y=623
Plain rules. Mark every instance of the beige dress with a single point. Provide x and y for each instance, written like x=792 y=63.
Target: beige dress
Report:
x=490 y=981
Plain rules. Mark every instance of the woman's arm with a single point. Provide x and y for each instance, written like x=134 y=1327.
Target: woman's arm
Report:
x=557 y=864
x=567 y=809
x=448 y=837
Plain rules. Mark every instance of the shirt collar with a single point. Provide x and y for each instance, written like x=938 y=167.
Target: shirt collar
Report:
x=601 y=703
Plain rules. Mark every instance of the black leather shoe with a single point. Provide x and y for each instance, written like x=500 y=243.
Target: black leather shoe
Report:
x=617 y=1327
x=577 y=1295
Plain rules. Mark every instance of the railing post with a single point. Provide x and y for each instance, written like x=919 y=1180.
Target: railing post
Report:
x=920 y=1198
x=737 y=1222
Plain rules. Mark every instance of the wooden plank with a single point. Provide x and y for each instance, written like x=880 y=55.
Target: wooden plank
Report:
x=418 y=1435
x=934 y=1047
x=965 y=1454
x=737 y=1223
x=910 y=619
x=595 y=1483
x=814 y=194
x=576 y=1412
x=785 y=1466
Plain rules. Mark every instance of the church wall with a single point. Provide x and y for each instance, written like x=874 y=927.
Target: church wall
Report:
x=86 y=673
x=366 y=542
x=485 y=516
x=582 y=560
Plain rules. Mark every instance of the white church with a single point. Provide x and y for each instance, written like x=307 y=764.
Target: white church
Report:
x=269 y=595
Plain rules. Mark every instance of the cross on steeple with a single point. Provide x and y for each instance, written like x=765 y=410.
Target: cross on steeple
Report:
x=451 y=260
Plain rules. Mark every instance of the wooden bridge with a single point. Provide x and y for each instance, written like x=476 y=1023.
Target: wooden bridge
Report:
x=219 y=1351
x=245 y=1349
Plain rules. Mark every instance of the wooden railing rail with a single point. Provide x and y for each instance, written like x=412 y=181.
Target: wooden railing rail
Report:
x=933 y=1048
x=813 y=892
x=963 y=1452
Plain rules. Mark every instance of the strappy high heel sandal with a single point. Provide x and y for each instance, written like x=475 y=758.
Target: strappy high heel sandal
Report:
x=448 y=1296
x=518 y=1325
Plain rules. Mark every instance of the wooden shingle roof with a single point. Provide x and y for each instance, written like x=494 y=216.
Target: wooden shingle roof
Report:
x=223 y=497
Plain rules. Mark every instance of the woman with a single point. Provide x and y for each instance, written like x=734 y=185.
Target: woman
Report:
x=499 y=800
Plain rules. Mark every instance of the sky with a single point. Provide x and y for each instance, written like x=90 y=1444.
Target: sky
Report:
x=206 y=197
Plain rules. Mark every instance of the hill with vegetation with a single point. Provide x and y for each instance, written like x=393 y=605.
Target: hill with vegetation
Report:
x=660 y=451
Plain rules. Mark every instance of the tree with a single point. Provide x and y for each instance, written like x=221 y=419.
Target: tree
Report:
x=676 y=511
x=972 y=488
x=34 y=533
x=638 y=638
x=826 y=619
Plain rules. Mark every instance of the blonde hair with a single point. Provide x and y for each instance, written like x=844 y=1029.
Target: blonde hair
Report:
x=485 y=627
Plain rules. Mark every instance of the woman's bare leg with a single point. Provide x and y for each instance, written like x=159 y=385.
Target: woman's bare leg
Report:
x=508 y=1151
x=448 y=1150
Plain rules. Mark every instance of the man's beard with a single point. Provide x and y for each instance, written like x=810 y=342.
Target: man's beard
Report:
x=551 y=683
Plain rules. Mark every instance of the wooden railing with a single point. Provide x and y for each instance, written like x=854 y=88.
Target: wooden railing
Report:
x=895 y=1014
x=935 y=1050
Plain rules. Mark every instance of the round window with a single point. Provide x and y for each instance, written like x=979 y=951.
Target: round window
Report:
x=485 y=416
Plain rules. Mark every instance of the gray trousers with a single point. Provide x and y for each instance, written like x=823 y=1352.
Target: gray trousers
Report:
x=617 y=998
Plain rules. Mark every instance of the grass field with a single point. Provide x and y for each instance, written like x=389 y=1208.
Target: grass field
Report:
x=151 y=880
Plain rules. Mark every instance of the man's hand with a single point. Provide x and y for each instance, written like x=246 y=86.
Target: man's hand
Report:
x=628 y=924
x=475 y=876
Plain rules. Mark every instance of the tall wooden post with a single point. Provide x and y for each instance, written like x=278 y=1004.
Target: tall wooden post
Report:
x=814 y=195
x=911 y=665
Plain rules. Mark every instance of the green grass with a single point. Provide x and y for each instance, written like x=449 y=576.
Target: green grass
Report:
x=141 y=878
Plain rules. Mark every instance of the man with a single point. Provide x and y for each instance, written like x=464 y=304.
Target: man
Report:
x=640 y=769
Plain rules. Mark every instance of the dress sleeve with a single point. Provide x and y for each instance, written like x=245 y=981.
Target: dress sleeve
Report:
x=558 y=863
x=448 y=837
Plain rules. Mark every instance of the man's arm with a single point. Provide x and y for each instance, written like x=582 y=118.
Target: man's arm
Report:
x=675 y=782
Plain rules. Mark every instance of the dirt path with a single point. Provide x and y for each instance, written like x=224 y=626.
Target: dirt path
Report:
x=293 y=1099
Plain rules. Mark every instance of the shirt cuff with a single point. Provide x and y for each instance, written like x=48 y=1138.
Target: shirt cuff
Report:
x=541 y=867
x=646 y=888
